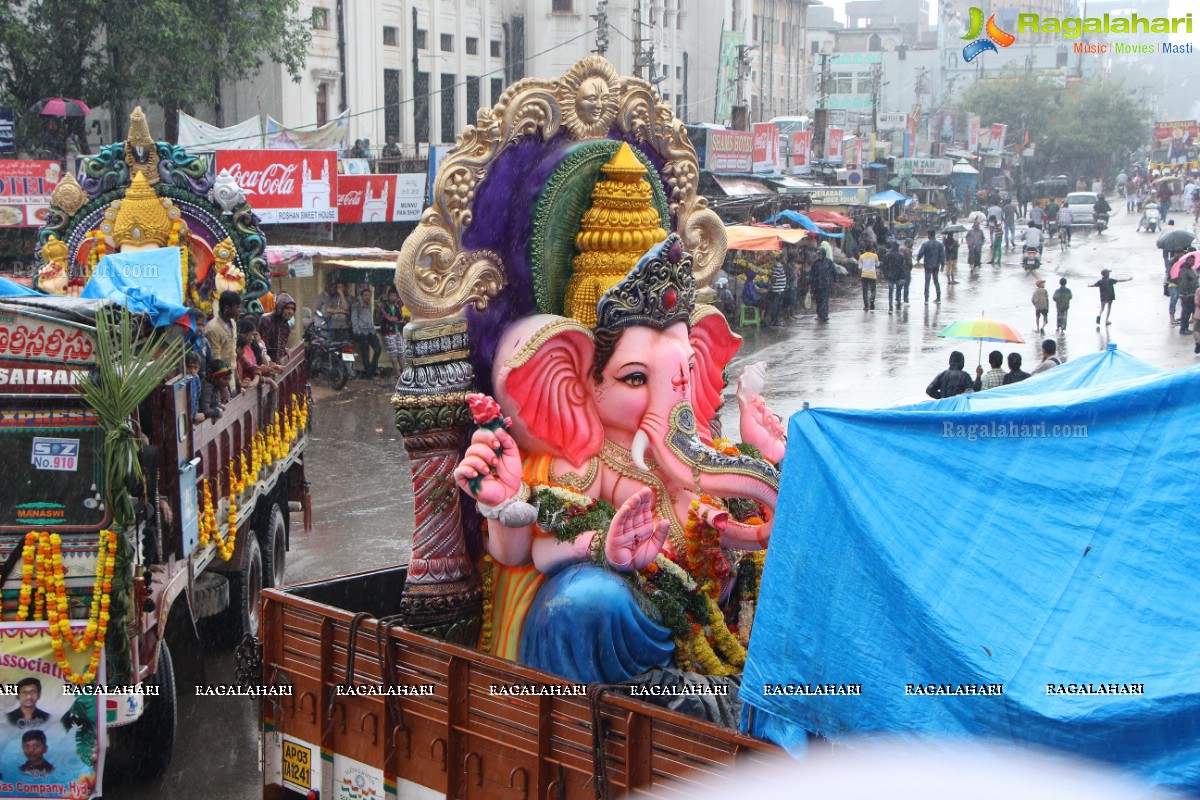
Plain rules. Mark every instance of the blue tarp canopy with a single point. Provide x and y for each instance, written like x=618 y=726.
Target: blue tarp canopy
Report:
x=1041 y=541
x=888 y=197
x=13 y=289
x=803 y=221
x=144 y=281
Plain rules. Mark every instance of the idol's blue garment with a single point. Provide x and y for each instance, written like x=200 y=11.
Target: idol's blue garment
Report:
x=585 y=625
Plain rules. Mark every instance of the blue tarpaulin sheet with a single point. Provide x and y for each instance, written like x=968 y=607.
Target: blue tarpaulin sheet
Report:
x=804 y=221
x=9 y=288
x=144 y=281
x=1047 y=542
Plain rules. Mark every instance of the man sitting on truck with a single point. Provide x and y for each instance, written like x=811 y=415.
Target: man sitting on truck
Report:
x=275 y=328
x=214 y=394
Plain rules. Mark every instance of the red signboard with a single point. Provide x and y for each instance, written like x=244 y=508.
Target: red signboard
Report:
x=380 y=198
x=25 y=188
x=730 y=151
x=802 y=151
x=285 y=186
x=998 y=130
x=766 y=147
x=834 y=146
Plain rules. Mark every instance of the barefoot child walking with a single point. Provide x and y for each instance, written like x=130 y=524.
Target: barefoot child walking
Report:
x=1108 y=294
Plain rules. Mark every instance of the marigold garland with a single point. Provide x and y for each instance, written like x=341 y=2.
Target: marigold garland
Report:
x=47 y=583
x=706 y=562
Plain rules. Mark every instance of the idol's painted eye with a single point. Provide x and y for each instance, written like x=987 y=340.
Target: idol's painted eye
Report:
x=634 y=379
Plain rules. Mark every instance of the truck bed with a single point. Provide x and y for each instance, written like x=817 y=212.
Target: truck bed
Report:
x=463 y=741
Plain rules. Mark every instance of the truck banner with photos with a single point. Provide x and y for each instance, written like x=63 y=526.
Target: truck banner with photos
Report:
x=51 y=741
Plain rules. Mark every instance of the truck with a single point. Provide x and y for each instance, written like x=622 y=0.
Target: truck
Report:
x=357 y=706
x=212 y=528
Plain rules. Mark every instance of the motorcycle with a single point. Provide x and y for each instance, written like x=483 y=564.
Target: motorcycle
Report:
x=1150 y=218
x=1101 y=222
x=327 y=358
x=1031 y=260
x=1051 y=227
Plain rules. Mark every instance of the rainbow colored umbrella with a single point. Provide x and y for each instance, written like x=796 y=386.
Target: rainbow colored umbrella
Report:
x=983 y=330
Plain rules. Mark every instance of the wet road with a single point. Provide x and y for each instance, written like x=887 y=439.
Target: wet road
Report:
x=360 y=482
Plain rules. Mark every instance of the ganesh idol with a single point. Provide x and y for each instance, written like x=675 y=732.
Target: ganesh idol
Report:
x=139 y=195
x=620 y=531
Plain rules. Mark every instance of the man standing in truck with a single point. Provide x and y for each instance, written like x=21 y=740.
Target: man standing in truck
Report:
x=275 y=328
x=221 y=330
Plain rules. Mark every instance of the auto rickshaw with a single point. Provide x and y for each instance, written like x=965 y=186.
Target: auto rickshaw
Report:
x=1047 y=189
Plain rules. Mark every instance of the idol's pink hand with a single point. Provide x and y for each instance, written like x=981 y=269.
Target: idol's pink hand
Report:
x=493 y=459
x=635 y=535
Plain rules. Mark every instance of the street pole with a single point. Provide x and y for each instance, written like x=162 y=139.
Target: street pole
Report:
x=601 y=17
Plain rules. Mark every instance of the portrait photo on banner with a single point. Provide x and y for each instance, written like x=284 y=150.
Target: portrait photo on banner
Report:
x=49 y=747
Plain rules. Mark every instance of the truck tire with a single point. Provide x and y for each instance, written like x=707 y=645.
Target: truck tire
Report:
x=339 y=373
x=273 y=543
x=153 y=735
x=210 y=595
x=245 y=593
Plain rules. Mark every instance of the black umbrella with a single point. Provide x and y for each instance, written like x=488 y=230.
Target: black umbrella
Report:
x=955 y=229
x=1175 y=240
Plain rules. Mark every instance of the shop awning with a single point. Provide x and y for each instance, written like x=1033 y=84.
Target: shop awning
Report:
x=823 y=216
x=741 y=187
x=787 y=184
x=750 y=237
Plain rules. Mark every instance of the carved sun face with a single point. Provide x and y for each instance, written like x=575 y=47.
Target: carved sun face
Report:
x=588 y=97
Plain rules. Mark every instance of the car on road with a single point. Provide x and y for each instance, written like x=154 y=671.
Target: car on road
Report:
x=1081 y=204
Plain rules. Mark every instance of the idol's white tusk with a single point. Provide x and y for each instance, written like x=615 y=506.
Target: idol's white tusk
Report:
x=640 y=442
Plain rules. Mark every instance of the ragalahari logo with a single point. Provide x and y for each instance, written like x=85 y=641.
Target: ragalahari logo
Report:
x=995 y=36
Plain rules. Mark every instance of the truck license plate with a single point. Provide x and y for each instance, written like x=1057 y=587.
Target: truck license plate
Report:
x=297 y=766
x=61 y=455
x=348 y=357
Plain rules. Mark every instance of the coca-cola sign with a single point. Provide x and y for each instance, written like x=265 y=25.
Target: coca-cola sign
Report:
x=380 y=198
x=285 y=185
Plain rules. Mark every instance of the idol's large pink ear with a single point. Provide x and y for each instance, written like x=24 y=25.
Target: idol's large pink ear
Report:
x=548 y=378
x=715 y=344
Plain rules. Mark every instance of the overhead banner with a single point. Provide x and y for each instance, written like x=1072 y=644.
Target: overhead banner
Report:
x=25 y=189
x=727 y=72
x=330 y=136
x=730 y=151
x=8 y=137
x=973 y=133
x=285 y=186
x=892 y=121
x=1175 y=138
x=998 y=131
x=380 y=198
x=858 y=151
x=802 y=152
x=194 y=133
x=924 y=166
x=834 y=145
x=54 y=747
x=766 y=147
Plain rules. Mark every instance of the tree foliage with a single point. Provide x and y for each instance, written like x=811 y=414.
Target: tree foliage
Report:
x=174 y=53
x=1086 y=129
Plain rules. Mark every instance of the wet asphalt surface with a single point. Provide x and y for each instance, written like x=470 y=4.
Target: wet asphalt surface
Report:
x=362 y=501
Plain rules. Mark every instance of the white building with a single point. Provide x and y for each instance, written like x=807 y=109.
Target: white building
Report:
x=420 y=71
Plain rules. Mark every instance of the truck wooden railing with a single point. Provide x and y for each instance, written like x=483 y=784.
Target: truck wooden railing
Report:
x=456 y=738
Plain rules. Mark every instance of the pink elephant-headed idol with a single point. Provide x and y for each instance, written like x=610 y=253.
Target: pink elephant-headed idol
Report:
x=616 y=522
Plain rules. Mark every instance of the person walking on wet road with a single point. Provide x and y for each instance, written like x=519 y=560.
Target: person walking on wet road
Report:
x=1062 y=302
x=1187 y=283
x=953 y=381
x=1108 y=293
x=1015 y=374
x=933 y=256
x=974 y=241
x=1008 y=212
x=868 y=264
x=823 y=274
x=951 y=245
x=1041 y=307
x=993 y=377
x=892 y=266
